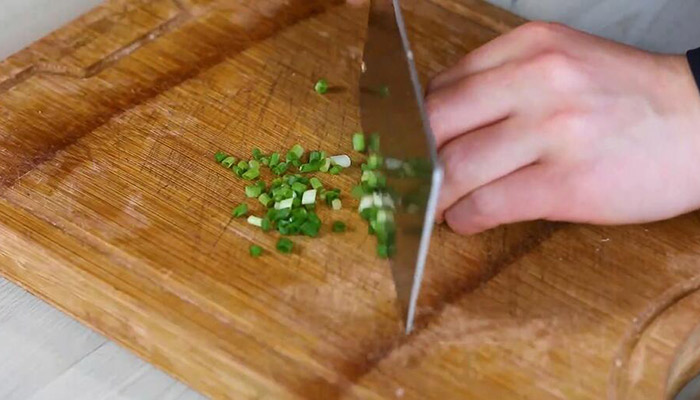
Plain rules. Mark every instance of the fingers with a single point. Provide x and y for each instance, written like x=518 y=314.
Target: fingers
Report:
x=526 y=195
x=483 y=156
x=475 y=102
x=521 y=43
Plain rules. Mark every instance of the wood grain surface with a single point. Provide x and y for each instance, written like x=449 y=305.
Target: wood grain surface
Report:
x=113 y=210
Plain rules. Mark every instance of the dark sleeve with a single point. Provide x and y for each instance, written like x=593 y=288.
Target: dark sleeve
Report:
x=694 y=61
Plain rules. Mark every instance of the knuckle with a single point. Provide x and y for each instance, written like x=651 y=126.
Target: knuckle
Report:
x=567 y=122
x=541 y=30
x=483 y=206
x=560 y=71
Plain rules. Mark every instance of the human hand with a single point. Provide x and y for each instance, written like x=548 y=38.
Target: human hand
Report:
x=546 y=122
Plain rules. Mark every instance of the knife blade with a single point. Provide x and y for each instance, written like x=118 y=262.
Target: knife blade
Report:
x=391 y=105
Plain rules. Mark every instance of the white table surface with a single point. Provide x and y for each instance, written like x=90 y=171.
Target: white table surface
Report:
x=45 y=354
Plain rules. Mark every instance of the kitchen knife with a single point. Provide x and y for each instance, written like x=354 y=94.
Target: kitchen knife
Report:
x=391 y=105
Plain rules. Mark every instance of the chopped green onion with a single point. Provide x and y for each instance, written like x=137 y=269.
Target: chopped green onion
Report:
x=274 y=160
x=309 y=197
x=253 y=164
x=335 y=170
x=326 y=165
x=310 y=229
x=257 y=154
x=298 y=151
x=382 y=250
x=243 y=165
x=281 y=168
x=337 y=204
x=253 y=190
x=296 y=202
x=299 y=187
x=228 y=161
x=251 y=174
x=266 y=224
x=358 y=141
x=285 y=245
x=255 y=250
x=321 y=87
x=357 y=192
x=219 y=157
x=315 y=183
x=315 y=156
x=265 y=200
x=310 y=167
x=264 y=161
x=240 y=210
x=366 y=202
x=374 y=161
x=341 y=160
x=338 y=226
x=255 y=221
x=286 y=203
x=374 y=143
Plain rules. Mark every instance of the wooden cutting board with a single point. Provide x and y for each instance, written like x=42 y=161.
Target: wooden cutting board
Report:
x=113 y=210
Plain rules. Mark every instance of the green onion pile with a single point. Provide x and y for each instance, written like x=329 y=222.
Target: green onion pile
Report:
x=290 y=198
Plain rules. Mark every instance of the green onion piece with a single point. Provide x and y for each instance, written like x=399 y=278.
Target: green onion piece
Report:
x=285 y=245
x=274 y=160
x=310 y=229
x=310 y=167
x=237 y=170
x=257 y=154
x=240 y=210
x=251 y=174
x=281 y=168
x=299 y=187
x=255 y=221
x=255 y=250
x=314 y=218
x=253 y=164
x=219 y=156
x=265 y=200
x=283 y=213
x=374 y=143
x=243 y=165
x=341 y=160
x=338 y=226
x=315 y=183
x=382 y=250
x=252 y=190
x=358 y=141
x=296 y=163
x=266 y=224
x=298 y=151
x=284 y=204
x=374 y=161
x=321 y=87
x=296 y=202
x=326 y=165
x=264 y=161
x=309 y=197
x=337 y=204
x=315 y=156
x=228 y=161
x=357 y=192
x=335 y=170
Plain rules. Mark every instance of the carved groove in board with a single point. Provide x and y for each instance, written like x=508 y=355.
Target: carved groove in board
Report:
x=42 y=68
x=619 y=367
